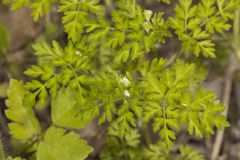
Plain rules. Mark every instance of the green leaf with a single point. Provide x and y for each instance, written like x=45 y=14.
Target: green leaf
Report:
x=57 y=144
x=40 y=7
x=157 y=151
x=39 y=89
x=43 y=49
x=76 y=16
x=66 y=109
x=54 y=53
x=188 y=153
x=24 y=124
x=217 y=24
x=35 y=71
x=125 y=118
x=206 y=8
x=119 y=148
x=160 y=151
x=4 y=39
x=195 y=23
x=201 y=113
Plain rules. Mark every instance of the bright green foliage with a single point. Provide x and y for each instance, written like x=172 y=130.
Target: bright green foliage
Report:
x=133 y=31
x=194 y=31
x=201 y=112
x=160 y=152
x=188 y=153
x=82 y=103
x=157 y=152
x=65 y=109
x=78 y=97
x=129 y=147
x=24 y=124
x=4 y=39
x=39 y=7
x=59 y=145
x=119 y=148
x=166 y=104
x=77 y=15
x=71 y=64
x=123 y=90
x=102 y=74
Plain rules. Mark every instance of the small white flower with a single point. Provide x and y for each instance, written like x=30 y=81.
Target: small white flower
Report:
x=125 y=81
x=148 y=14
x=126 y=93
x=78 y=53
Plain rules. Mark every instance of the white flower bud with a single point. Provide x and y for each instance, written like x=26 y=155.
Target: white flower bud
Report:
x=78 y=53
x=126 y=93
x=125 y=81
x=148 y=14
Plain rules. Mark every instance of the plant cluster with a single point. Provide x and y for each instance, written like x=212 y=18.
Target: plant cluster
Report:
x=102 y=73
x=127 y=147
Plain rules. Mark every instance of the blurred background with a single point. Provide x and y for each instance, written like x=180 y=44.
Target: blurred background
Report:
x=18 y=32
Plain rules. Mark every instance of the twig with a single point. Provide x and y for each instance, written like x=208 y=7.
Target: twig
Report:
x=3 y=124
x=174 y=58
x=232 y=67
x=226 y=100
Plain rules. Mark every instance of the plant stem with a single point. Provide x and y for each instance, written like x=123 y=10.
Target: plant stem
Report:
x=236 y=32
x=3 y=124
x=228 y=84
x=146 y=134
x=174 y=58
x=2 y=157
x=236 y=25
x=226 y=100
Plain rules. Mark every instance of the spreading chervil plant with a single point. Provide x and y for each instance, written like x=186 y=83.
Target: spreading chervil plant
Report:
x=104 y=72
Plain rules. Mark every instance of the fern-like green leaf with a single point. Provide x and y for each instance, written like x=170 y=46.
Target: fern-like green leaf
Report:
x=76 y=15
x=40 y=7
x=202 y=113
x=158 y=151
x=126 y=147
x=170 y=100
x=189 y=153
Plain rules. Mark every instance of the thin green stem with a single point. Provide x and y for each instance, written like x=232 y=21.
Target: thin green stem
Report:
x=146 y=134
x=76 y=77
x=236 y=32
x=174 y=58
x=236 y=26
x=2 y=157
